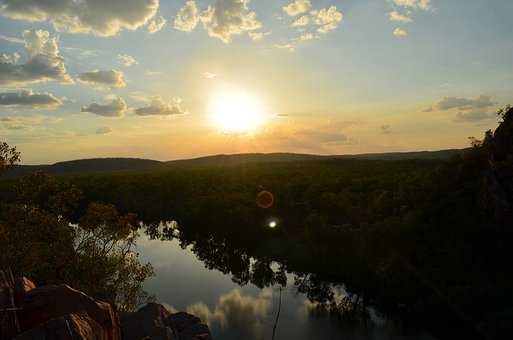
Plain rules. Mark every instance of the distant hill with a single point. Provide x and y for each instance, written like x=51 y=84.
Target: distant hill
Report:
x=94 y=165
x=103 y=165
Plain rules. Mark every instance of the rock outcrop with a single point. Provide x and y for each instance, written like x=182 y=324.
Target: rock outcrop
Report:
x=59 y=312
x=156 y=322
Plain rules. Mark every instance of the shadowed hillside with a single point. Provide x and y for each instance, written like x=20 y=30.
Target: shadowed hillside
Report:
x=103 y=165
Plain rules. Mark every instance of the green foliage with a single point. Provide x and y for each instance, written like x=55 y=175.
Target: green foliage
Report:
x=46 y=235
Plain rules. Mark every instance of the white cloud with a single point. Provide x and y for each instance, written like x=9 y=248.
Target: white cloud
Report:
x=308 y=36
x=156 y=24
x=44 y=61
x=29 y=98
x=113 y=107
x=158 y=107
x=127 y=60
x=109 y=78
x=188 y=17
x=420 y=4
x=400 y=32
x=327 y=18
x=258 y=36
x=13 y=40
x=297 y=7
x=209 y=75
x=229 y=17
x=398 y=17
x=103 y=18
x=286 y=46
x=303 y=20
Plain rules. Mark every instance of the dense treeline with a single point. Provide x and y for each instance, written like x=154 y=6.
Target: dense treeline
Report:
x=423 y=241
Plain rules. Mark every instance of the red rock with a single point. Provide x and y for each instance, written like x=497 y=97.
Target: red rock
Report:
x=49 y=302
x=67 y=327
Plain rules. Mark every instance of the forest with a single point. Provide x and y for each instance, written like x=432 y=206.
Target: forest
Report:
x=423 y=241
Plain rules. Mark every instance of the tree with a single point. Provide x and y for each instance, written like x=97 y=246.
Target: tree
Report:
x=9 y=156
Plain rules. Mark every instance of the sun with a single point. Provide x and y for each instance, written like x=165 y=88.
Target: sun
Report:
x=236 y=111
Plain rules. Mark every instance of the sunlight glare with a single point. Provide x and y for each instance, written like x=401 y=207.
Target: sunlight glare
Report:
x=236 y=112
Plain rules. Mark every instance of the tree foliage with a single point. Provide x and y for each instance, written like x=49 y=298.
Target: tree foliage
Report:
x=47 y=235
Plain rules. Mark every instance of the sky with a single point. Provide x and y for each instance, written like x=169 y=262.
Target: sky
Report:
x=180 y=79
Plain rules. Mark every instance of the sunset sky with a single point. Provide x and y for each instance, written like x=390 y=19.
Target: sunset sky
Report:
x=180 y=79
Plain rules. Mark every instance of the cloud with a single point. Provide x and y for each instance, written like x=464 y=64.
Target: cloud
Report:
x=465 y=104
x=127 y=60
x=103 y=130
x=244 y=314
x=110 y=78
x=473 y=116
x=400 y=32
x=386 y=129
x=188 y=17
x=327 y=18
x=29 y=98
x=286 y=46
x=324 y=137
x=44 y=61
x=103 y=18
x=13 y=40
x=26 y=122
x=229 y=17
x=113 y=107
x=308 y=36
x=151 y=73
x=158 y=107
x=303 y=20
x=209 y=75
x=297 y=7
x=415 y=4
x=258 y=36
x=398 y=17
x=156 y=24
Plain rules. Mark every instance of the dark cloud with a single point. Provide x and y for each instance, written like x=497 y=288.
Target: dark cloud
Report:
x=386 y=129
x=44 y=61
x=473 y=116
x=466 y=104
x=113 y=107
x=103 y=130
x=110 y=78
x=103 y=18
x=29 y=98
x=159 y=107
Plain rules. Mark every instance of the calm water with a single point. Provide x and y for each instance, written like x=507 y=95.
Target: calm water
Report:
x=235 y=312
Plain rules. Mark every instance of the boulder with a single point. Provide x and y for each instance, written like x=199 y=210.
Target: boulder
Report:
x=154 y=321
x=197 y=331
x=147 y=322
x=68 y=327
x=54 y=301
x=181 y=321
x=22 y=286
x=188 y=327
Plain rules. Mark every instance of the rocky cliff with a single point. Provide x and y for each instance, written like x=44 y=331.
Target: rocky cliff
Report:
x=60 y=312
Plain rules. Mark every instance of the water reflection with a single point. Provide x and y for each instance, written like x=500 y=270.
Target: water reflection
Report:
x=237 y=295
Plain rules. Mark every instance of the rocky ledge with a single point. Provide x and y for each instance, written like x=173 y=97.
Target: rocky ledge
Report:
x=60 y=312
